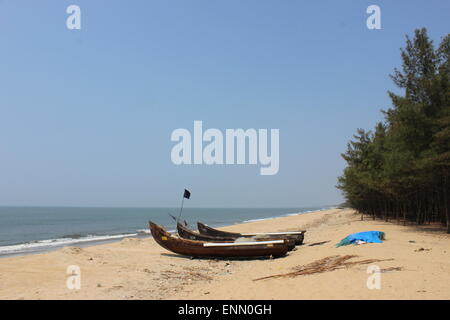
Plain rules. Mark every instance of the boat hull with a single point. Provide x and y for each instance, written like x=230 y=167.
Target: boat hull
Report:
x=193 y=248
x=206 y=230
x=186 y=233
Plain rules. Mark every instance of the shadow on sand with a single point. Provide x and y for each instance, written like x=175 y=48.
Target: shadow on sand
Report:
x=172 y=255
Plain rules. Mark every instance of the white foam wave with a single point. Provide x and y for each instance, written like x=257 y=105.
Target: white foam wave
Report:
x=60 y=242
x=143 y=231
x=261 y=219
x=289 y=214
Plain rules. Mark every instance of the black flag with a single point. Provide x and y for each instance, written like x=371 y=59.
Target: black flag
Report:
x=186 y=195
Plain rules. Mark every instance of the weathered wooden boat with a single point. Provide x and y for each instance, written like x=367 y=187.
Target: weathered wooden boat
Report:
x=186 y=233
x=194 y=248
x=297 y=236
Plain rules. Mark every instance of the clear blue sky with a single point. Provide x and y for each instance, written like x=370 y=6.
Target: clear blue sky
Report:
x=86 y=115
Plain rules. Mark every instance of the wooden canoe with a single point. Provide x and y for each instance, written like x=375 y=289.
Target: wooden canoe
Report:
x=186 y=233
x=297 y=236
x=194 y=248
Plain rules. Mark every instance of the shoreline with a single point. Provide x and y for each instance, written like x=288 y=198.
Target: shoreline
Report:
x=85 y=244
x=42 y=247
x=416 y=266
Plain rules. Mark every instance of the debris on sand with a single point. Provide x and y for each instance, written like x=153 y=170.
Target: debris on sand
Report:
x=391 y=269
x=72 y=250
x=421 y=249
x=186 y=276
x=324 y=265
x=318 y=243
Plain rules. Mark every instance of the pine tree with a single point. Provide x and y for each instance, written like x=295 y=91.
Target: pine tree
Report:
x=402 y=169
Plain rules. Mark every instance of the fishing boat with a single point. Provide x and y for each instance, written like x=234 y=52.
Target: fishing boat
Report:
x=194 y=248
x=186 y=233
x=298 y=236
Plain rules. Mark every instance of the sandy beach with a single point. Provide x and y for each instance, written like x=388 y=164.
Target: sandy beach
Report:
x=415 y=265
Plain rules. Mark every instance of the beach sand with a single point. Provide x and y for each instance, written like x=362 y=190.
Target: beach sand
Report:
x=418 y=266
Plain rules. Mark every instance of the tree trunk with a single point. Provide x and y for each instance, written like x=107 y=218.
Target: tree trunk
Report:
x=386 y=215
x=404 y=214
x=397 y=212
x=445 y=201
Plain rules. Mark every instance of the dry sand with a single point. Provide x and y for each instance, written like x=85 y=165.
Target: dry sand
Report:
x=140 y=269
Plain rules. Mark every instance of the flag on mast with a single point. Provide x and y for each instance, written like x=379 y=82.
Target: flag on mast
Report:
x=186 y=195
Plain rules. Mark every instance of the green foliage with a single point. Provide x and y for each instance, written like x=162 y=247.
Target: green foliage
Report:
x=402 y=168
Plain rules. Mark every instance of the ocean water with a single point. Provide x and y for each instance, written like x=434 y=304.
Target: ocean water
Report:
x=36 y=229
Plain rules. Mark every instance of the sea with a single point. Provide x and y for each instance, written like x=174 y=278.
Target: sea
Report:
x=25 y=230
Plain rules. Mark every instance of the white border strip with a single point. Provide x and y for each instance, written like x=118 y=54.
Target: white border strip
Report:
x=272 y=233
x=230 y=244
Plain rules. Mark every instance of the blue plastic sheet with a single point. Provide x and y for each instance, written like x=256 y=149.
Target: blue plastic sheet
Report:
x=366 y=236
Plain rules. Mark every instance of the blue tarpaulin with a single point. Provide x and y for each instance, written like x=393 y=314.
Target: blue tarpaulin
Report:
x=366 y=236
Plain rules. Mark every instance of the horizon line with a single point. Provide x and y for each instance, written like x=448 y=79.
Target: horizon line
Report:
x=159 y=207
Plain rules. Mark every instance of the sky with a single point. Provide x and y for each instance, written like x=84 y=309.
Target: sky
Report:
x=86 y=115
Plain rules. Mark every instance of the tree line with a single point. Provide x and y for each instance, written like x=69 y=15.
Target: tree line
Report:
x=400 y=170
